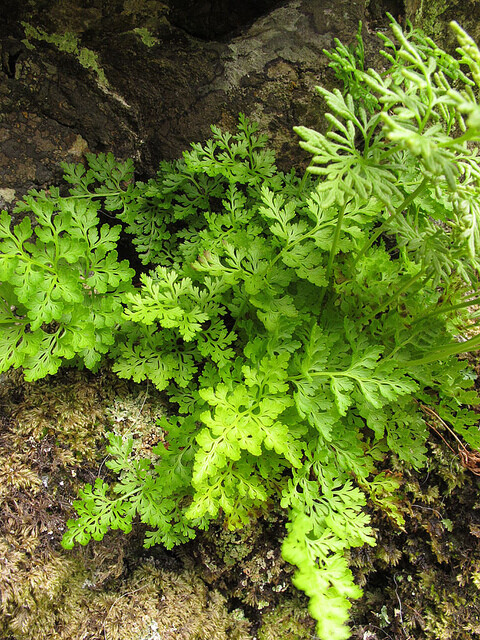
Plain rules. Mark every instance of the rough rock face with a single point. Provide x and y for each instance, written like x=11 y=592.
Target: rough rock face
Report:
x=144 y=79
x=434 y=17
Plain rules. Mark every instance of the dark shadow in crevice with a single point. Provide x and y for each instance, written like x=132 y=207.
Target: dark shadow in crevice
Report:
x=218 y=19
x=10 y=64
x=376 y=12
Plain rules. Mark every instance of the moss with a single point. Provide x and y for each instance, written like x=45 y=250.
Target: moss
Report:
x=288 y=621
x=70 y=414
x=420 y=583
x=51 y=434
x=222 y=586
x=59 y=598
x=249 y=565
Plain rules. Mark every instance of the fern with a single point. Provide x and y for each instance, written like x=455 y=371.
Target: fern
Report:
x=298 y=327
x=61 y=285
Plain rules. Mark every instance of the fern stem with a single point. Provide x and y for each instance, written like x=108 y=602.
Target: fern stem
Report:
x=373 y=124
x=399 y=292
x=447 y=350
x=402 y=344
x=441 y=310
x=333 y=250
x=96 y=195
x=305 y=178
x=14 y=321
x=410 y=198
x=336 y=238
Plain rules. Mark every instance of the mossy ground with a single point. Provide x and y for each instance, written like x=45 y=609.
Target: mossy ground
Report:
x=223 y=586
x=420 y=583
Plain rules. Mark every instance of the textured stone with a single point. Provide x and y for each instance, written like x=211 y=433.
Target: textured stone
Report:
x=160 y=96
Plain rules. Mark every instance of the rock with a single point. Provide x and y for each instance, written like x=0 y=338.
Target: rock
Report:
x=143 y=80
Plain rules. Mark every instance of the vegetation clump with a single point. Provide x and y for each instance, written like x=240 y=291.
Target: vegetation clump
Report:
x=298 y=327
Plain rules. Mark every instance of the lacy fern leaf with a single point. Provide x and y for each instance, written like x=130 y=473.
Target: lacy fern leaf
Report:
x=300 y=328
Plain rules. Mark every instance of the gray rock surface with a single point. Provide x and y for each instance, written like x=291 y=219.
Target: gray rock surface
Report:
x=144 y=79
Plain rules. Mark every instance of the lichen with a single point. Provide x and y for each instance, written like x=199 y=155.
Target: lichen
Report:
x=146 y=37
x=434 y=16
x=67 y=42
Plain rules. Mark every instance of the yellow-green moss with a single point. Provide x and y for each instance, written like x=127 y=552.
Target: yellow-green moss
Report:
x=288 y=621
x=421 y=583
x=52 y=437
